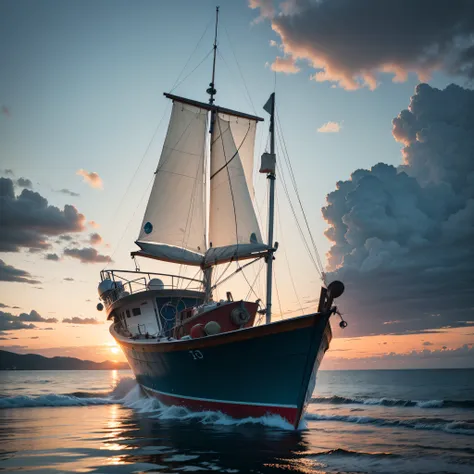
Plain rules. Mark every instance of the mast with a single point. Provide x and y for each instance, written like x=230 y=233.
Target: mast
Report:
x=211 y=90
x=270 y=108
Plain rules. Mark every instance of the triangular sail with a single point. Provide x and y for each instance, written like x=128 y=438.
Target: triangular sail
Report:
x=234 y=232
x=173 y=227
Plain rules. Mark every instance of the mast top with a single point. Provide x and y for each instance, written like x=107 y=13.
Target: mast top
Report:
x=212 y=90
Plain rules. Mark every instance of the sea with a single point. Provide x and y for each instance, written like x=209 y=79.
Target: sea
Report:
x=393 y=421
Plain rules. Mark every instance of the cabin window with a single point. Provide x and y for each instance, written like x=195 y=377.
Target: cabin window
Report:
x=128 y=313
x=136 y=311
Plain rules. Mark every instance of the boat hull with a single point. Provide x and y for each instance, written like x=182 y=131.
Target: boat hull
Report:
x=251 y=372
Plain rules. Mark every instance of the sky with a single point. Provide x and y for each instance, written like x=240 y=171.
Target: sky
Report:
x=375 y=106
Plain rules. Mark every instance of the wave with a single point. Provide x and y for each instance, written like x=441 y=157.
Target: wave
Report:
x=393 y=402
x=141 y=403
x=71 y=399
x=51 y=400
x=438 y=424
x=349 y=452
x=128 y=393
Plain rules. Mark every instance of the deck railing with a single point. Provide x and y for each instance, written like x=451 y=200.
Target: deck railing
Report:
x=129 y=282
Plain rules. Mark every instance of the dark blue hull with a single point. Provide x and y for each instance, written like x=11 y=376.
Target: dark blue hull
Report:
x=262 y=370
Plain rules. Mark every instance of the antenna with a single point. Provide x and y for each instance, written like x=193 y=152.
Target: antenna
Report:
x=211 y=90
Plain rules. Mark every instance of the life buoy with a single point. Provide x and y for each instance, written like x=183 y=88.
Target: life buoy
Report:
x=240 y=316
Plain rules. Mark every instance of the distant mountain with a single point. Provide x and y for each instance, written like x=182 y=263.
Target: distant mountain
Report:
x=12 y=361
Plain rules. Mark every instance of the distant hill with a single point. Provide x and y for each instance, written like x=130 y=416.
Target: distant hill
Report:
x=11 y=361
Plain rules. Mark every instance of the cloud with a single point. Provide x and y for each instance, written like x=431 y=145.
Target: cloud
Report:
x=330 y=127
x=28 y=220
x=9 y=322
x=93 y=224
x=350 y=42
x=25 y=349
x=266 y=7
x=403 y=239
x=91 y=178
x=35 y=317
x=65 y=237
x=87 y=255
x=68 y=279
x=95 y=239
x=52 y=256
x=457 y=357
x=286 y=64
x=4 y=305
x=77 y=320
x=68 y=192
x=24 y=183
x=10 y=273
x=427 y=343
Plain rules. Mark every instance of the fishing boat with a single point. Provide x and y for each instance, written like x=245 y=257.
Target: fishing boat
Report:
x=184 y=347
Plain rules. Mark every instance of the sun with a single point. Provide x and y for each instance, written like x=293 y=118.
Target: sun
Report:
x=115 y=350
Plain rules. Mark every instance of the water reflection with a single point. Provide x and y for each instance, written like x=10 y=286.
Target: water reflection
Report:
x=174 y=445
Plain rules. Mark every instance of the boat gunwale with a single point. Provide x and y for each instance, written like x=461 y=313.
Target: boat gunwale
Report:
x=238 y=335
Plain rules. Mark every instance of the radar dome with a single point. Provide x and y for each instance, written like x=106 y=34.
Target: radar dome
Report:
x=155 y=284
x=105 y=286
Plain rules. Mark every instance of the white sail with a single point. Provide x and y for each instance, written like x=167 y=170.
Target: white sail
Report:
x=243 y=132
x=173 y=227
x=234 y=232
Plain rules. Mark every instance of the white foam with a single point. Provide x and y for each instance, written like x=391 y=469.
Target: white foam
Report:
x=128 y=393
x=139 y=402
x=430 y=404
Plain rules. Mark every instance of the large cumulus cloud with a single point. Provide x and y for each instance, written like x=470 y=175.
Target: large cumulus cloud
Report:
x=27 y=220
x=349 y=42
x=403 y=239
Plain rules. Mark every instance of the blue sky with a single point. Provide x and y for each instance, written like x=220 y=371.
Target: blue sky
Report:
x=83 y=84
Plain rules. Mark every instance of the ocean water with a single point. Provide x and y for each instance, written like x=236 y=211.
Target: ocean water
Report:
x=414 y=421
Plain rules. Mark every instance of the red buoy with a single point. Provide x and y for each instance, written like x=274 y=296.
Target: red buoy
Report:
x=197 y=331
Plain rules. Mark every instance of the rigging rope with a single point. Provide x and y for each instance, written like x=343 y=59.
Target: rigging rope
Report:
x=202 y=60
x=175 y=85
x=295 y=187
x=129 y=222
x=300 y=230
x=243 y=274
x=234 y=155
x=277 y=292
x=240 y=71
x=286 y=256
x=254 y=281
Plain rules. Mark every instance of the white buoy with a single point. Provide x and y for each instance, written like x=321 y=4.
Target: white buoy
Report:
x=212 y=328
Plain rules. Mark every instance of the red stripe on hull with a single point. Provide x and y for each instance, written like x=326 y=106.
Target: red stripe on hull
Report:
x=234 y=410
